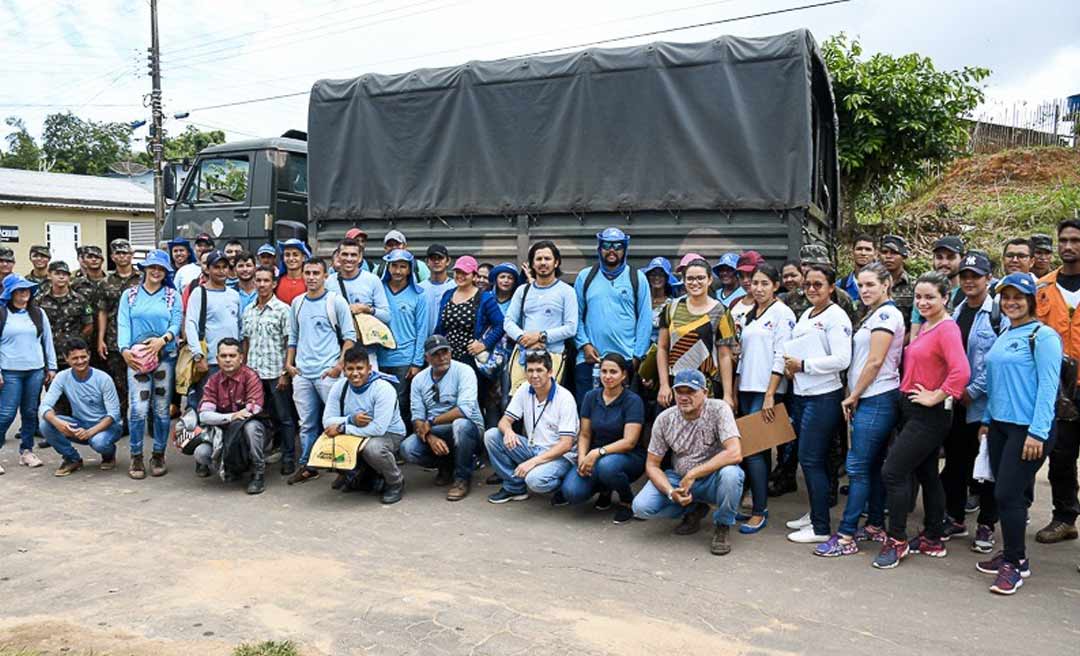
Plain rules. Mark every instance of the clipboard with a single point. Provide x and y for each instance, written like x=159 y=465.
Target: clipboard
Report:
x=757 y=435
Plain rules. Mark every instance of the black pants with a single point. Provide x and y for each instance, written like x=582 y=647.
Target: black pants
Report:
x=1062 y=473
x=915 y=451
x=280 y=405
x=1013 y=483
x=961 y=447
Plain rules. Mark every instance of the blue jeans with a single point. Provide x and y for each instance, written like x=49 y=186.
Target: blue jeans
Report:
x=461 y=436
x=541 y=480
x=150 y=394
x=583 y=380
x=21 y=392
x=103 y=442
x=758 y=465
x=873 y=423
x=722 y=488
x=815 y=419
x=195 y=393
x=614 y=472
x=309 y=395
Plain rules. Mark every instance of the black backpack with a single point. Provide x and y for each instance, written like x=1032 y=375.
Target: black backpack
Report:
x=634 y=284
x=36 y=316
x=1065 y=405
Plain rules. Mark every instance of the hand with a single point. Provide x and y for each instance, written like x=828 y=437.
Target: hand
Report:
x=525 y=467
x=412 y=373
x=102 y=350
x=592 y=356
x=360 y=308
x=849 y=405
x=511 y=441
x=49 y=375
x=80 y=434
x=202 y=366
x=292 y=371
x=361 y=419
x=732 y=402
x=332 y=372
x=1033 y=449
x=923 y=397
x=333 y=431
x=767 y=408
x=792 y=366
x=530 y=339
x=68 y=429
x=527 y=272
x=155 y=344
x=241 y=415
x=282 y=382
x=663 y=397
x=129 y=360
x=475 y=347
x=423 y=429
x=687 y=482
x=587 y=462
x=438 y=446
x=682 y=496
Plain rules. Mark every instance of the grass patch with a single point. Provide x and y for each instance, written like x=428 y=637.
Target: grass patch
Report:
x=268 y=648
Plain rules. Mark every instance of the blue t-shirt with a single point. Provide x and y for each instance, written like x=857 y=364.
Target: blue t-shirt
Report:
x=608 y=421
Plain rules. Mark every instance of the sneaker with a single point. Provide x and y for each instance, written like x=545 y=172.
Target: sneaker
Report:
x=972 y=505
x=157 y=465
x=720 y=546
x=623 y=514
x=458 y=490
x=870 y=533
x=67 y=468
x=928 y=546
x=558 y=500
x=502 y=496
x=136 y=470
x=1052 y=533
x=1 y=469
x=30 y=459
x=806 y=535
x=201 y=470
x=801 y=522
x=993 y=566
x=257 y=484
x=107 y=464
x=984 y=539
x=1008 y=581
x=954 y=530
x=691 y=521
x=834 y=547
x=603 y=501
x=303 y=475
x=892 y=552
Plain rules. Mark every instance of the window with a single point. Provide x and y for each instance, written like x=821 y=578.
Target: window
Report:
x=219 y=180
x=293 y=177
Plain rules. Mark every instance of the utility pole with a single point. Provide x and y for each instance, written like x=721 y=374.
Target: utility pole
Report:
x=156 y=139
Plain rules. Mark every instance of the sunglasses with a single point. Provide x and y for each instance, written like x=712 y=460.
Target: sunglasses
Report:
x=814 y=284
x=612 y=245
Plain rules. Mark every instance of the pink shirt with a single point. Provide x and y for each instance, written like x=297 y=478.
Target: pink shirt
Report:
x=936 y=360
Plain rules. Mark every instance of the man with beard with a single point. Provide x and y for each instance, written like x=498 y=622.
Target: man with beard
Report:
x=948 y=252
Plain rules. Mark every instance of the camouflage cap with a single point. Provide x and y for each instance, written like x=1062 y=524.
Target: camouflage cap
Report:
x=38 y=249
x=895 y=243
x=814 y=254
x=1042 y=242
x=7 y=255
x=59 y=265
x=89 y=249
x=120 y=245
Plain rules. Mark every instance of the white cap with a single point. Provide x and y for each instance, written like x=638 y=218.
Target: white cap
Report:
x=395 y=235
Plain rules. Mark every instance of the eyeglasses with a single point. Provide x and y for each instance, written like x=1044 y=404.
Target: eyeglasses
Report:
x=814 y=284
x=1016 y=256
x=612 y=245
x=696 y=278
x=538 y=352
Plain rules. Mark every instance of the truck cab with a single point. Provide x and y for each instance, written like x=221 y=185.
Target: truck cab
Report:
x=255 y=191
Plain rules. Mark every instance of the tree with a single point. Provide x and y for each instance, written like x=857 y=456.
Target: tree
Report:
x=895 y=115
x=185 y=145
x=22 y=151
x=81 y=146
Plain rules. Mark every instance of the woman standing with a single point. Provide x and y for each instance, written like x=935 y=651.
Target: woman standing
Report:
x=504 y=279
x=469 y=319
x=27 y=362
x=697 y=332
x=761 y=376
x=872 y=406
x=661 y=289
x=820 y=348
x=610 y=453
x=1019 y=421
x=936 y=372
x=747 y=265
x=147 y=324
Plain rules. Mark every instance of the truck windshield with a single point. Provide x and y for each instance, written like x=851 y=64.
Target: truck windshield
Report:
x=219 y=180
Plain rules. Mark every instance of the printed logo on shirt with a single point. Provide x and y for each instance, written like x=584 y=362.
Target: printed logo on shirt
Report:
x=884 y=316
x=1015 y=346
x=847 y=330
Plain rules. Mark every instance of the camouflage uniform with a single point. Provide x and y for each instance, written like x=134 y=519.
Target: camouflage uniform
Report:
x=903 y=294
x=91 y=291
x=44 y=278
x=113 y=291
x=68 y=315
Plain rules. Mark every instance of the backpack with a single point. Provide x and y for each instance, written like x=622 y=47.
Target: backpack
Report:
x=331 y=315
x=634 y=284
x=36 y=316
x=1064 y=406
x=170 y=299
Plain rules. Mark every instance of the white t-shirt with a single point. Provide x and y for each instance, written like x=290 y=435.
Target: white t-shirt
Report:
x=891 y=320
x=546 y=420
x=185 y=274
x=762 y=348
x=823 y=343
x=739 y=310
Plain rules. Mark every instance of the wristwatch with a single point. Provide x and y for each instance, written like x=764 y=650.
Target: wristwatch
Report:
x=543 y=336
x=602 y=451
x=670 y=492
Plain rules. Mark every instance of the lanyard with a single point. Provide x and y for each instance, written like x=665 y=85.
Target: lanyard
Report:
x=537 y=417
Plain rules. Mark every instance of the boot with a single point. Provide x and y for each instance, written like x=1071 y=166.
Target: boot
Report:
x=157 y=465
x=136 y=469
x=257 y=484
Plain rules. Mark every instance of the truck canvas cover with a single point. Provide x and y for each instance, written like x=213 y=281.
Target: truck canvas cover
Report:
x=728 y=124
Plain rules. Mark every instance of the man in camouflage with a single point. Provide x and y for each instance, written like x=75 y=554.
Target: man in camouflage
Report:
x=7 y=262
x=87 y=282
x=39 y=259
x=894 y=252
x=113 y=289
x=797 y=301
x=70 y=314
x=1042 y=261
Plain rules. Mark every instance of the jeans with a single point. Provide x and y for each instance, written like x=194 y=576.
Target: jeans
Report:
x=402 y=389
x=961 y=447
x=816 y=418
x=915 y=451
x=21 y=392
x=758 y=465
x=309 y=395
x=463 y=439
x=1062 y=474
x=614 y=472
x=722 y=488
x=541 y=480
x=1013 y=483
x=583 y=380
x=150 y=394
x=280 y=405
x=872 y=424
x=379 y=454
x=103 y=442
x=254 y=435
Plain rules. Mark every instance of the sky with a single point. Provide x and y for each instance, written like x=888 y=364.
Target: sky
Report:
x=89 y=56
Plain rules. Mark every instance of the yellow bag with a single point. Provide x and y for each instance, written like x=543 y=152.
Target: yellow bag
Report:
x=647 y=370
x=372 y=332
x=339 y=453
x=187 y=376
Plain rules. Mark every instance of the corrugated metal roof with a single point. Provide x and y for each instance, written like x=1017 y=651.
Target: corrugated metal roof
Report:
x=66 y=189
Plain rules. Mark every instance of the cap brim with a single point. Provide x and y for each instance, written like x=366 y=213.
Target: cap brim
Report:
x=688 y=385
x=442 y=347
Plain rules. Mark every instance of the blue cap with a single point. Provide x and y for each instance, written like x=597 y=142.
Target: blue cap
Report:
x=13 y=282
x=159 y=258
x=1022 y=282
x=976 y=262
x=612 y=234
x=397 y=255
x=730 y=260
x=266 y=249
x=690 y=378
x=214 y=257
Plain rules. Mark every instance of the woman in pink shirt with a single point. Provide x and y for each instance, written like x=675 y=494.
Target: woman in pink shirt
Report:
x=936 y=372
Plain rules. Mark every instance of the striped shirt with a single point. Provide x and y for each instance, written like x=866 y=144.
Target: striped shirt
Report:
x=268 y=330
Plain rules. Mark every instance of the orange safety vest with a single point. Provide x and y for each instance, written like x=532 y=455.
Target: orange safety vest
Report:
x=1052 y=310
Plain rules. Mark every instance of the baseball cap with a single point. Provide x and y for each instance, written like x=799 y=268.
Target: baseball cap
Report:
x=435 y=343
x=895 y=243
x=266 y=249
x=1022 y=282
x=355 y=233
x=976 y=262
x=464 y=264
x=40 y=250
x=395 y=235
x=688 y=258
x=437 y=249
x=691 y=378
x=204 y=237
x=59 y=265
x=7 y=255
x=950 y=243
x=90 y=250
x=1042 y=242
x=729 y=260
x=214 y=257
x=749 y=261
x=120 y=245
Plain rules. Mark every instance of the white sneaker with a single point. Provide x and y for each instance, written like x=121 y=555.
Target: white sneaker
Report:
x=1 y=469
x=30 y=459
x=801 y=522
x=806 y=535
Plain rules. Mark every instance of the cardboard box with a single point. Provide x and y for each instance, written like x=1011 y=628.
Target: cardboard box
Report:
x=757 y=435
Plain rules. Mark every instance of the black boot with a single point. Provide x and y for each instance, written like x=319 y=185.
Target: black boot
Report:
x=393 y=493
x=257 y=485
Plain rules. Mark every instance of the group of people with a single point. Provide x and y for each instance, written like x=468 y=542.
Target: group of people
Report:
x=578 y=390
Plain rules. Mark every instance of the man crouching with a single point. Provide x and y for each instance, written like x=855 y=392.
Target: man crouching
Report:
x=706 y=452
x=231 y=399
x=365 y=404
